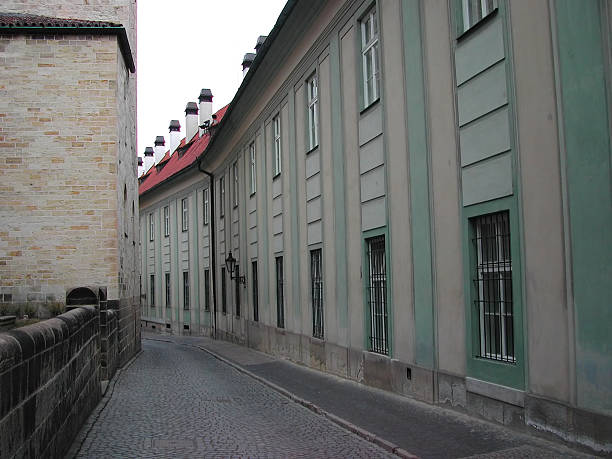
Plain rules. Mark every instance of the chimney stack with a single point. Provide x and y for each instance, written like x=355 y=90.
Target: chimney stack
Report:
x=260 y=42
x=205 y=99
x=247 y=62
x=160 y=148
x=148 y=159
x=140 y=166
x=191 y=120
x=175 y=135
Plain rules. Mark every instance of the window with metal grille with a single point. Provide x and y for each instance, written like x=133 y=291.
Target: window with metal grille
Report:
x=168 y=297
x=280 y=298
x=255 y=292
x=185 y=212
x=493 y=287
x=166 y=221
x=152 y=289
x=223 y=292
x=377 y=296
x=237 y=290
x=253 y=160
x=370 y=57
x=185 y=290
x=206 y=290
x=313 y=112
x=316 y=293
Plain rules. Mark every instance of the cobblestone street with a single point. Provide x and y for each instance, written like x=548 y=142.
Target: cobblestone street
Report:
x=176 y=401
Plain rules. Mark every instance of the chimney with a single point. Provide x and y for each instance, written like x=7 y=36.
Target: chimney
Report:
x=260 y=42
x=191 y=120
x=247 y=62
x=175 y=135
x=160 y=148
x=148 y=159
x=140 y=166
x=205 y=99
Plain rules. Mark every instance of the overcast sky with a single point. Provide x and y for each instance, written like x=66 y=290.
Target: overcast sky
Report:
x=187 y=45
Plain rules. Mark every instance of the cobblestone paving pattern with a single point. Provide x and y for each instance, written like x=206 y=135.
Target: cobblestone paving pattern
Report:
x=178 y=402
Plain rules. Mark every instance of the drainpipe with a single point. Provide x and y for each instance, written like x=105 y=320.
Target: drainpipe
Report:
x=213 y=245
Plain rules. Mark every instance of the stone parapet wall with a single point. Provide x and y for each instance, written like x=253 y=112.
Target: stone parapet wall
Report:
x=49 y=383
x=109 y=344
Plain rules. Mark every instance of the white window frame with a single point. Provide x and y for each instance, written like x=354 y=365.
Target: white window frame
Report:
x=486 y=8
x=151 y=227
x=205 y=204
x=369 y=50
x=222 y=197
x=185 y=214
x=253 y=162
x=235 y=184
x=312 y=85
x=166 y=221
x=276 y=123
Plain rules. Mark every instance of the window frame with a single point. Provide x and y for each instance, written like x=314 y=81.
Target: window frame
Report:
x=168 y=290
x=235 y=183
x=186 y=291
x=280 y=292
x=205 y=205
x=222 y=196
x=166 y=221
x=375 y=326
x=317 y=293
x=207 y=289
x=223 y=291
x=253 y=167
x=312 y=103
x=370 y=48
x=152 y=290
x=487 y=7
x=151 y=227
x=185 y=214
x=277 y=147
x=255 y=292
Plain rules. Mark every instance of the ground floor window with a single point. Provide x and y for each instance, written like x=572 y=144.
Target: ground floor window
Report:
x=280 y=298
x=237 y=287
x=223 y=292
x=492 y=279
x=316 y=293
x=206 y=290
x=185 y=290
x=377 y=295
x=152 y=288
x=168 y=298
x=255 y=291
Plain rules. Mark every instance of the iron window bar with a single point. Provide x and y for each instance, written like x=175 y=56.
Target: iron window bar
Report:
x=280 y=299
x=317 y=294
x=377 y=296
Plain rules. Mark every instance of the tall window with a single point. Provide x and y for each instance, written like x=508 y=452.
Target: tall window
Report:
x=316 y=292
x=185 y=289
x=221 y=196
x=207 y=290
x=152 y=290
x=280 y=296
x=313 y=112
x=235 y=183
x=377 y=296
x=205 y=204
x=255 y=291
x=151 y=227
x=223 y=292
x=185 y=213
x=253 y=167
x=277 y=145
x=493 y=278
x=475 y=10
x=237 y=291
x=370 y=57
x=168 y=297
x=166 y=221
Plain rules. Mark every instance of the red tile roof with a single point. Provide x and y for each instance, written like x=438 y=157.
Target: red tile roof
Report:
x=32 y=20
x=184 y=156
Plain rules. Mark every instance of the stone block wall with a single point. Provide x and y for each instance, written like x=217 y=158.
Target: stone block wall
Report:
x=109 y=344
x=49 y=383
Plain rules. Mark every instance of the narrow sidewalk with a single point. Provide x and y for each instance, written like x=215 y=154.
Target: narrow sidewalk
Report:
x=407 y=427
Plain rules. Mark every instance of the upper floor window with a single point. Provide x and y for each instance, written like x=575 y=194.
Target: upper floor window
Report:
x=475 y=10
x=277 y=145
x=235 y=183
x=222 y=196
x=313 y=112
x=151 y=227
x=205 y=204
x=369 y=56
x=185 y=213
x=253 y=168
x=166 y=221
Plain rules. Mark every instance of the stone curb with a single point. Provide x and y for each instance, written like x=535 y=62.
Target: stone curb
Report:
x=107 y=394
x=366 y=435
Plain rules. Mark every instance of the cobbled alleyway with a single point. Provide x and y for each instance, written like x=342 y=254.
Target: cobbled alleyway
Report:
x=176 y=401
